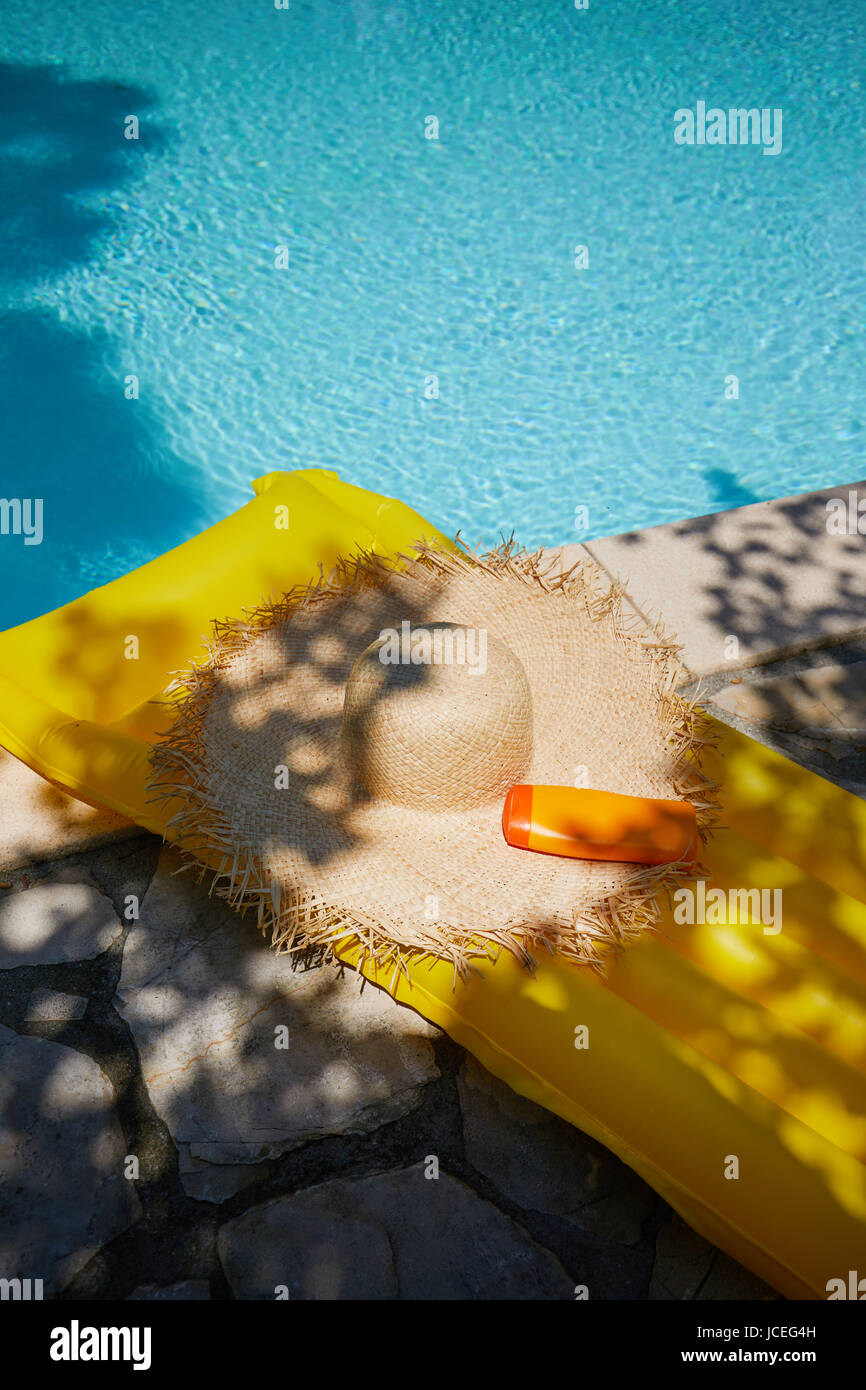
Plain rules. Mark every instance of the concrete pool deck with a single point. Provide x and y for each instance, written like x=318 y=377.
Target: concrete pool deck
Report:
x=769 y=604
x=147 y=1042
x=770 y=576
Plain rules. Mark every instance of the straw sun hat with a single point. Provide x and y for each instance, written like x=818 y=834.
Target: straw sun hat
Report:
x=341 y=759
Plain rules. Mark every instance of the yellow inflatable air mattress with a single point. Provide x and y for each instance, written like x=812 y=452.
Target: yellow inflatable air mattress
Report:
x=725 y=1063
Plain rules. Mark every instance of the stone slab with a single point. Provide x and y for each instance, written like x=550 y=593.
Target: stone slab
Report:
x=683 y=1261
x=543 y=1164
x=825 y=701
x=50 y=1006
x=208 y=1002
x=216 y=1182
x=62 y=1190
x=770 y=575
x=728 y=1282
x=397 y=1235
x=687 y=1267
x=54 y=922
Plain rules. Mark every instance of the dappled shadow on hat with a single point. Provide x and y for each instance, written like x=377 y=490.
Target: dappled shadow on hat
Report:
x=345 y=795
x=274 y=724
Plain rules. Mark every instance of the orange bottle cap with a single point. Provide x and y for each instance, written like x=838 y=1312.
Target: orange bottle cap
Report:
x=517 y=816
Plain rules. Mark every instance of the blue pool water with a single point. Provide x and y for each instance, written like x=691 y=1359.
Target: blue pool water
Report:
x=410 y=258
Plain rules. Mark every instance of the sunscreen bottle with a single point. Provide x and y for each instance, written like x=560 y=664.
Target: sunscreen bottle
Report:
x=584 y=824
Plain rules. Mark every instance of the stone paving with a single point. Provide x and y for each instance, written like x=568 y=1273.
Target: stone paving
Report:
x=149 y=1048
x=810 y=707
x=160 y=1141
x=186 y=1116
x=778 y=578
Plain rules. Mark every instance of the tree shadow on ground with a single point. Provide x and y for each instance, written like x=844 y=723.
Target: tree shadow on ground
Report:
x=202 y=968
x=204 y=1000
x=744 y=570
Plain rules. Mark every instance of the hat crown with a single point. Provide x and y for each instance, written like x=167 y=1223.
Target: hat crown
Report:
x=439 y=716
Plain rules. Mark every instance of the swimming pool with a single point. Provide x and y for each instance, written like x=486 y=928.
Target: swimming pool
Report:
x=432 y=334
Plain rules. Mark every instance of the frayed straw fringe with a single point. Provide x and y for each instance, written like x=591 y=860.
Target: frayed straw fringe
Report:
x=301 y=923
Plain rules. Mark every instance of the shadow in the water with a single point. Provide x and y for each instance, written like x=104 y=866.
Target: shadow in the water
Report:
x=109 y=483
x=61 y=140
x=728 y=489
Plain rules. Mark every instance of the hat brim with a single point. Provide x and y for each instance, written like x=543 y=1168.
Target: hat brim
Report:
x=322 y=865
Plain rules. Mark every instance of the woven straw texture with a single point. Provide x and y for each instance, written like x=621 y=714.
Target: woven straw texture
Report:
x=346 y=799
